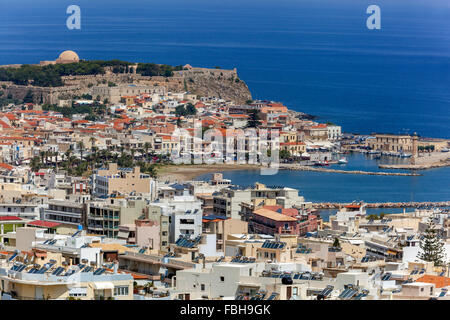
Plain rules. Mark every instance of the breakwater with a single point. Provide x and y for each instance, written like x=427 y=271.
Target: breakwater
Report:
x=321 y=169
x=328 y=205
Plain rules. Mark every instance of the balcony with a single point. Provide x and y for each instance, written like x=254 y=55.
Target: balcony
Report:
x=91 y=217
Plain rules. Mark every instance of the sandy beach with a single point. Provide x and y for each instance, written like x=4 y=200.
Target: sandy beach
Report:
x=180 y=173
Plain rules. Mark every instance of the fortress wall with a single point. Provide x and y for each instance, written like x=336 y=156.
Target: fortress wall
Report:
x=201 y=81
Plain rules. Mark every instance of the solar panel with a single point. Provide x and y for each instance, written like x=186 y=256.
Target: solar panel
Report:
x=272 y=296
x=350 y=294
x=422 y=271
x=358 y=296
x=13 y=257
x=442 y=294
x=76 y=233
x=386 y=277
x=442 y=274
x=344 y=293
x=99 y=271
x=42 y=270
x=58 y=271
x=327 y=291
x=69 y=273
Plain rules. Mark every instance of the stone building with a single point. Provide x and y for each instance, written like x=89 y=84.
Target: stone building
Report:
x=115 y=93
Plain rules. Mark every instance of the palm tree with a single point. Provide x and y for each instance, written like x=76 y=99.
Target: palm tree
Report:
x=92 y=140
x=68 y=155
x=146 y=147
x=93 y=157
x=42 y=153
x=34 y=164
x=81 y=147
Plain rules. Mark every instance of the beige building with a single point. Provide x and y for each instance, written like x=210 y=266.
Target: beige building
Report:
x=122 y=180
x=392 y=143
x=104 y=218
x=115 y=93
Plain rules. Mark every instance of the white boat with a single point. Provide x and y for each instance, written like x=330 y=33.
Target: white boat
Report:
x=445 y=150
x=405 y=155
x=342 y=161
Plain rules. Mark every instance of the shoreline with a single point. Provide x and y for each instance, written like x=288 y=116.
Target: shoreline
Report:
x=189 y=172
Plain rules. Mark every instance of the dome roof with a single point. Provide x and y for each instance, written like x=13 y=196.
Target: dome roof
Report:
x=69 y=56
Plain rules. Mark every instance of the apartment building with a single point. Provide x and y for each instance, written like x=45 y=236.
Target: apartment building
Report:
x=67 y=213
x=104 y=218
x=151 y=232
x=53 y=281
x=19 y=209
x=123 y=181
x=271 y=222
x=185 y=214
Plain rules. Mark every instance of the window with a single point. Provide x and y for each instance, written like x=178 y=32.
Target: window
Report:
x=77 y=294
x=222 y=279
x=121 y=291
x=202 y=287
x=295 y=291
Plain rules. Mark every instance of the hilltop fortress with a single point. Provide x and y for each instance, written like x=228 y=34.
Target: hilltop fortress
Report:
x=217 y=82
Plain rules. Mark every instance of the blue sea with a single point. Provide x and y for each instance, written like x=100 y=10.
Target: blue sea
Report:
x=431 y=185
x=316 y=56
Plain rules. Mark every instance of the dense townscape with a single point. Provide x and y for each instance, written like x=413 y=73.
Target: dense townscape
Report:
x=94 y=205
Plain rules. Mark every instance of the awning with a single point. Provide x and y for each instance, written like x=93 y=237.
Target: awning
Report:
x=103 y=285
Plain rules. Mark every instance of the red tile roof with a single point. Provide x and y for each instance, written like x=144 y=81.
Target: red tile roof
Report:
x=6 y=166
x=440 y=282
x=42 y=223
x=9 y=218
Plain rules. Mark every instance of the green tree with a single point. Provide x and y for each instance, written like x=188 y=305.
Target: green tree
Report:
x=180 y=110
x=285 y=154
x=190 y=109
x=432 y=247
x=336 y=243
x=81 y=148
x=28 y=97
x=254 y=120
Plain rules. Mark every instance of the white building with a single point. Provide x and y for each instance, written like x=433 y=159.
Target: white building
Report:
x=185 y=213
x=334 y=132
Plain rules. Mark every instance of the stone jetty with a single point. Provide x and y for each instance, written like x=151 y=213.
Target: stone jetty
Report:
x=298 y=167
x=329 y=205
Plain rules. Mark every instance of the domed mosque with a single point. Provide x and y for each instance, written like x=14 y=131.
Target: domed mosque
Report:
x=67 y=56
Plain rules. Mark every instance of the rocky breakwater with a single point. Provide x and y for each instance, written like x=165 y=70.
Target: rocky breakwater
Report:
x=321 y=169
x=329 y=205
